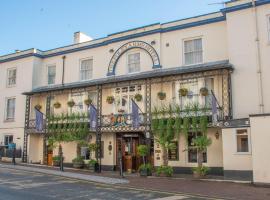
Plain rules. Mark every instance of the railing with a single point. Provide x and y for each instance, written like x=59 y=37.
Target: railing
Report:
x=4 y=152
x=120 y=120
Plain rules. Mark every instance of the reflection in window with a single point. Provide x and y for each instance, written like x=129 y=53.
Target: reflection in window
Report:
x=242 y=141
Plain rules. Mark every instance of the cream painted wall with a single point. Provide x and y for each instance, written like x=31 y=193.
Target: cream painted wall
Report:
x=23 y=83
x=242 y=54
x=260 y=137
x=231 y=159
x=214 y=152
x=35 y=149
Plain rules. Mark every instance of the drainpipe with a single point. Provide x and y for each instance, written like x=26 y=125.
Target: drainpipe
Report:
x=258 y=59
x=63 y=70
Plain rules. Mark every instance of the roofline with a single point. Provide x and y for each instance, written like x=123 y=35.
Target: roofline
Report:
x=143 y=75
x=41 y=53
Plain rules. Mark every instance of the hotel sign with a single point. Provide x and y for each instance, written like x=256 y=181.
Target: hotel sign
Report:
x=131 y=45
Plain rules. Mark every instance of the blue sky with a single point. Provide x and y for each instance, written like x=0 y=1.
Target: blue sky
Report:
x=47 y=24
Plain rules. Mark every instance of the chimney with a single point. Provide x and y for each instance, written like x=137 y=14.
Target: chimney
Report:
x=80 y=37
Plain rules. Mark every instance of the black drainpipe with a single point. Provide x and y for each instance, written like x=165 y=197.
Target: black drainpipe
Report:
x=63 y=69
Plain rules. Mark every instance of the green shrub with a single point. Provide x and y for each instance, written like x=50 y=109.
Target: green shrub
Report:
x=147 y=167
x=203 y=170
x=56 y=158
x=92 y=162
x=143 y=150
x=165 y=170
x=78 y=159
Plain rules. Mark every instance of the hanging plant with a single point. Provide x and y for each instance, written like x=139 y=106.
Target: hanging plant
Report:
x=110 y=99
x=204 y=91
x=57 y=105
x=138 y=97
x=38 y=107
x=71 y=103
x=161 y=95
x=87 y=102
x=183 y=92
x=121 y=110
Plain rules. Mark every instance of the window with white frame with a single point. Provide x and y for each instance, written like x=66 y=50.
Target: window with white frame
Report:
x=86 y=69
x=193 y=51
x=11 y=77
x=133 y=62
x=8 y=139
x=10 y=108
x=51 y=74
x=242 y=141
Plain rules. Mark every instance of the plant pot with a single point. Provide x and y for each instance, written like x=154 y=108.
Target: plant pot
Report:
x=57 y=105
x=70 y=104
x=87 y=102
x=56 y=163
x=145 y=172
x=204 y=91
x=78 y=165
x=38 y=107
x=138 y=97
x=183 y=92
x=161 y=95
x=110 y=99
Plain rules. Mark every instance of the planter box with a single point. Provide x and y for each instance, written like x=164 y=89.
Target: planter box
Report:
x=78 y=165
x=145 y=173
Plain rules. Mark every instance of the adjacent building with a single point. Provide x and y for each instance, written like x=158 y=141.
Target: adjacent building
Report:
x=225 y=52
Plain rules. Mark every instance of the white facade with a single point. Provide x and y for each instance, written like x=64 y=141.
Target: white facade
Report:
x=240 y=33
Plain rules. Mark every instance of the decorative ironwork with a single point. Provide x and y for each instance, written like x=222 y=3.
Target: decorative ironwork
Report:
x=98 y=130
x=48 y=112
x=120 y=120
x=148 y=111
x=26 y=126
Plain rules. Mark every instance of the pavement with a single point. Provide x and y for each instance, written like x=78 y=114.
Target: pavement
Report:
x=173 y=187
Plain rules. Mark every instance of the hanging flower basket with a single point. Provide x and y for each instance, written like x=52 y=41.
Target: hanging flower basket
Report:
x=38 y=107
x=121 y=110
x=138 y=97
x=204 y=91
x=71 y=103
x=183 y=92
x=87 y=102
x=57 y=105
x=110 y=99
x=161 y=95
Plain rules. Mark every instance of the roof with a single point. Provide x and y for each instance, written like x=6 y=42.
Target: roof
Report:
x=143 y=75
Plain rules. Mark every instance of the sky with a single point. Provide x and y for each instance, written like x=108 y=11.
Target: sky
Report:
x=48 y=24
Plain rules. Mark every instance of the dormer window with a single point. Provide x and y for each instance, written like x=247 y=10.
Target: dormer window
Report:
x=133 y=62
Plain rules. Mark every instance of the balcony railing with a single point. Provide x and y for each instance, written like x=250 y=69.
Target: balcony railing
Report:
x=120 y=120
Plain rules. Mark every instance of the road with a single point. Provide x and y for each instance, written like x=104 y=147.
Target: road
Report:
x=23 y=185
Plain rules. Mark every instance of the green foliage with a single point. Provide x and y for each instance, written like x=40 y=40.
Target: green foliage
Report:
x=92 y=162
x=202 y=142
x=165 y=170
x=78 y=159
x=56 y=158
x=202 y=171
x=143 y=150
x=146 y=167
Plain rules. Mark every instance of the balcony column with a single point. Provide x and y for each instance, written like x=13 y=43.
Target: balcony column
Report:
x=48 y=112
x=98 y=129
x=26 y=126
x=226 y=94
x=148 y=111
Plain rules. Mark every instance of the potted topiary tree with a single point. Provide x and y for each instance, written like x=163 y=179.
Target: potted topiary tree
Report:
x=93 y=165
x=78 y=162
x=204 y=91
x=161 y=95
x=56 y=161
x=145 y=169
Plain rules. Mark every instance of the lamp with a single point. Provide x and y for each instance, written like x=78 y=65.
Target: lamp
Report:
x=217 y=135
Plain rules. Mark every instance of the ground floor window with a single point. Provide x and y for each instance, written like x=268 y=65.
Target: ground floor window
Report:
x=8 y=139
x=193 y=153
x=173 y=152
x=242 y=141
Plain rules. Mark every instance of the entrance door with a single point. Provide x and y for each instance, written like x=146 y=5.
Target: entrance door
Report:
x=127 y=149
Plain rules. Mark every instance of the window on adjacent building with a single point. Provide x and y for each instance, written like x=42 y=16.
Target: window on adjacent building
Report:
x=86 y=69
x=173 y=152
x=11 y=77
x=192 y=152
x=51 y=74
x=8 y=139
x=10 y=108
x=133 y=62
x=242 y=141
x=193 y=51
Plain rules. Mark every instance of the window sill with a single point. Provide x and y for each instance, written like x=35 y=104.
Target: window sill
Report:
x=242 y=153
x=187 y=65
x=11 y=86
x=9 y=120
